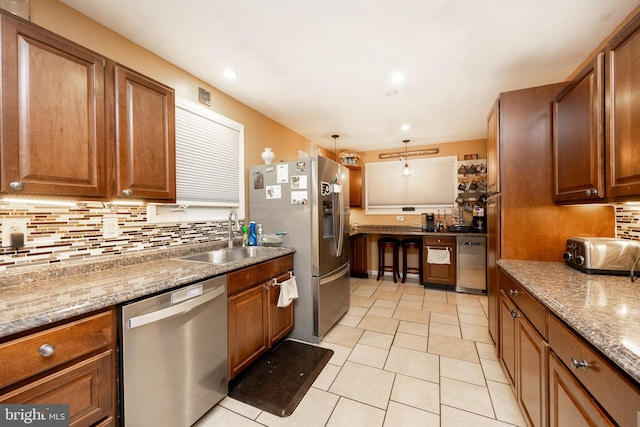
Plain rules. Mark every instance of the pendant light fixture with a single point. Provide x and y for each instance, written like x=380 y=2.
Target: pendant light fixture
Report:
x=335 y=152
x=406 y=172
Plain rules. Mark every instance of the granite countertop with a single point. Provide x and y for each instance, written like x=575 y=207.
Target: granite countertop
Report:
x=403 y=230
x=604 y=310
x=35 y=296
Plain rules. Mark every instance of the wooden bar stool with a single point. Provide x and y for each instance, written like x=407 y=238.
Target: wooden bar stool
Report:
x=383 y=244
x=407 y=244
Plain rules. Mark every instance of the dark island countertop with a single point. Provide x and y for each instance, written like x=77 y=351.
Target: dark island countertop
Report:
x=35 y=296
x=403 y=230
x=604 y=310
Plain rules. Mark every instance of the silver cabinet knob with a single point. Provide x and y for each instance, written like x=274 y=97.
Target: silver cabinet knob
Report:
x=46 y=350
x=514 y=313
x=579 y=364
x=127 y=192
x=591 y=192
x=16 y=185
x=514 y=292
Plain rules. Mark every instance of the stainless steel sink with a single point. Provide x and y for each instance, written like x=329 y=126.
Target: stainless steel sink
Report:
x=227 y=255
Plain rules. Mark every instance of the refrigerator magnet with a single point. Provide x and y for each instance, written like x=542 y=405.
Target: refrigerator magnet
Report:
x=282 y=174
x=274 y=191
x=258 y=181
x=299 y=198
x=301 y=166
x=298 y=182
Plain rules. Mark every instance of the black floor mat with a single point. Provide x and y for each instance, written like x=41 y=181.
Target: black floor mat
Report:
x=278 y=380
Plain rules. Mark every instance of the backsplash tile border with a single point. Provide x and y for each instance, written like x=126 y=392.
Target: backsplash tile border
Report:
x=59 y=234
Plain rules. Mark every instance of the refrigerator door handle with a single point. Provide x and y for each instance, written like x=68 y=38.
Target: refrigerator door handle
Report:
x=341 y=221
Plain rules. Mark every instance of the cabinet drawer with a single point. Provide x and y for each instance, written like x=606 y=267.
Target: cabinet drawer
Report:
x=531 y=308
x=244 y=278
x=617 y=395
x=439 y=241
x=84 y=386
x=21 y=357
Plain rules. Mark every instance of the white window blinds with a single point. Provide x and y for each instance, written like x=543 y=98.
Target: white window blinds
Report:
x=209 y=157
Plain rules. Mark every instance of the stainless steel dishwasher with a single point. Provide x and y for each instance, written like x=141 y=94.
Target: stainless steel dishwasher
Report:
x=174 y=355
x=471 y=264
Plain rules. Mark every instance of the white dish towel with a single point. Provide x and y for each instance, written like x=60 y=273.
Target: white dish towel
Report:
x=288 y=292
x=438 y=256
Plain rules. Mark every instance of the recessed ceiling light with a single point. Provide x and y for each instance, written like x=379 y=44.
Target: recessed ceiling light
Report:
x=405 y=127
x=229 y=73
x=397 y=78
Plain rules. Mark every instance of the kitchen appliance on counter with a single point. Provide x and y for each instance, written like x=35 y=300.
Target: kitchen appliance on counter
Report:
x=174 y=355
x=601 y=255
x=479 y=221
x=471 y=264
x=309 y=198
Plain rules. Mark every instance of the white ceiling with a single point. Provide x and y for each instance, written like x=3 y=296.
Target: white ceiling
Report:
x=322 y=67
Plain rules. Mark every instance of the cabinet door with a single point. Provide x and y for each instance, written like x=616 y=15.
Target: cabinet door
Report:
x=578 y=136
x=493 y=149
x=439 y=274
x=358 y=255
x=623 y=110
x=145 y=138
x=248 y=327
x=531 y=373
x=280 y=318
x=53 y=115
x=493 y=255
x=355 y=187
x=507 y=348
x=86 y=386
x=569 y=403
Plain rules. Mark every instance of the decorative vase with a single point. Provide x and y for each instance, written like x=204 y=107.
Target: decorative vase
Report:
x=267 y=155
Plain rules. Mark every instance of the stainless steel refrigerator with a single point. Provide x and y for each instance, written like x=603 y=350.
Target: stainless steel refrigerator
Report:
x=309 y=199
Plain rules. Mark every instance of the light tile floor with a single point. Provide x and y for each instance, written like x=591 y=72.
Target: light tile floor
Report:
x=403 y=356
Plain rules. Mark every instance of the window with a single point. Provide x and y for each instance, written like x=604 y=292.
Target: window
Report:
x=432 y=185
x=209 y=167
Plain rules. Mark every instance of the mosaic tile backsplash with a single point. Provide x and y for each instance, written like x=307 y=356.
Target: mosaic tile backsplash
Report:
x=628 y=222
x=56 y=234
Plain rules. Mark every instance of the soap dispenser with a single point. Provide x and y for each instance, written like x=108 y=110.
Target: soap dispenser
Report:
x=253 y=239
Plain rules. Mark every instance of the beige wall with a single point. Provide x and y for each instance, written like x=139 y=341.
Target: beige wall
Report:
x=460 y=148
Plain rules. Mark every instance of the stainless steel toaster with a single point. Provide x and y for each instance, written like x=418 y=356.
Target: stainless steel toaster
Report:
x=601 y=255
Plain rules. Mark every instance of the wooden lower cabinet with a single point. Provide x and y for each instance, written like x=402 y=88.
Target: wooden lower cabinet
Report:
x=439 y=274
x=523 y=354
x=78 y=370
x=358 y=255
x=256 y=323
x=569 y=403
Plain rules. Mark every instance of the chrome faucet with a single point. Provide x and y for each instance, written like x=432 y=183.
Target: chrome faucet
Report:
x=233 y=225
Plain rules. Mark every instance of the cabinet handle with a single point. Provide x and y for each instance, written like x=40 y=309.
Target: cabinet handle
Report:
x=514 y=313
x=591 y=192
x=514 y=292
x=127 y=192
x=579 y=364
x=16 y=185
x=46 y=350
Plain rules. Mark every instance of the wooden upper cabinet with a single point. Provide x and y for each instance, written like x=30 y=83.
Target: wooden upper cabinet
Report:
x=623 y=110
x=53 y=114
x=493 y=149
x=578 y=137
x=145 y=137
x=355 y=186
